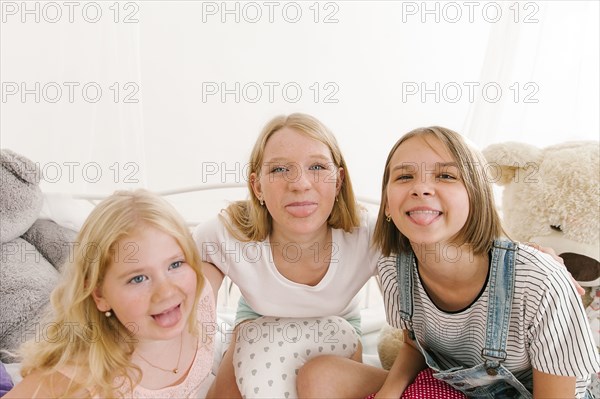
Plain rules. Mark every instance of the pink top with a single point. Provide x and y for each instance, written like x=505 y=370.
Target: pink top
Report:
x=197 y=379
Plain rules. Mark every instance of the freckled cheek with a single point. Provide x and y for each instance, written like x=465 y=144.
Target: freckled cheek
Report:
x=190 y=281
x=191 y=287
x=136 y=306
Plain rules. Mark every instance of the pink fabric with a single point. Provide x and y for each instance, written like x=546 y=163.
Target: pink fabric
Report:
x=426 y=386
x=197 y=380
x=200 y=370
x=199 y=376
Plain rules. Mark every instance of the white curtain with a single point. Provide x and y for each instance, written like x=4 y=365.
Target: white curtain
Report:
x=164 y=131
x=550 y=66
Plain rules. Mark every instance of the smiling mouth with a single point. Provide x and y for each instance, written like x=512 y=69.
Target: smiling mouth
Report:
x=423 y=217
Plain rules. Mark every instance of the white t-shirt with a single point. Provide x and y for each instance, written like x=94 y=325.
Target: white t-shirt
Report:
x=548 y=326
x=250 y=266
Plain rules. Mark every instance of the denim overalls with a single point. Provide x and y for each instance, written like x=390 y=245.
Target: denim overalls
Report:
x=490 y=379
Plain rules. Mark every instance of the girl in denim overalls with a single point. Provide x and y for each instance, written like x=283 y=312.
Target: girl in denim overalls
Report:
x=486 y=317
x=490 y=317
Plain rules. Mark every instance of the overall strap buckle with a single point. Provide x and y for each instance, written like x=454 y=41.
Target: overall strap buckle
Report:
x=493 y=358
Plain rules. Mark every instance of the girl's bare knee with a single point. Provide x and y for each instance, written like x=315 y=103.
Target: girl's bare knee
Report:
x=313 y=376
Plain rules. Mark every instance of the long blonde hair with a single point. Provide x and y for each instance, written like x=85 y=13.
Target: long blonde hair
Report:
x=252 y=222
x=77 y=336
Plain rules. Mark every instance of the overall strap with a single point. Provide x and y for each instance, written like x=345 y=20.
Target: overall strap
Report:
x=501 y=292
x=404 y=266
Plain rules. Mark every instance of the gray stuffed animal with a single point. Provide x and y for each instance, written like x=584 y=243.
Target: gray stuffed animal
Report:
x=32 y=250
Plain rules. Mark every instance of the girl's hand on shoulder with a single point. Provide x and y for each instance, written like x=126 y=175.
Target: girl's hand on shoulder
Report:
x=552 y=252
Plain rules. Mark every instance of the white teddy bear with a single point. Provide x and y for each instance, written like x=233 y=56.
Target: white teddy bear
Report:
x=552 y=197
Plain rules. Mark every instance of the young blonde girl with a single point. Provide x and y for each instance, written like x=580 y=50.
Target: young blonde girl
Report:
x=127 y=317
x=299 y=250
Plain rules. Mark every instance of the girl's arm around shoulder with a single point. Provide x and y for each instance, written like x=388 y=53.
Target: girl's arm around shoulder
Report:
x=211 y=237
x=548 y=386
x=407 y=365
x=36 y=385
x=213 y=276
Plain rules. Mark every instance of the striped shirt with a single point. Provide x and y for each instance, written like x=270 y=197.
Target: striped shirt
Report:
x=548 y=328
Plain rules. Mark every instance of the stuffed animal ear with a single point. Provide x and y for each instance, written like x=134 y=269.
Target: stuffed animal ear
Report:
x=505 y=160
x=21 y=167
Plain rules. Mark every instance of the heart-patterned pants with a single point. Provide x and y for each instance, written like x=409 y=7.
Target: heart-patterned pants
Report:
x=269 y=351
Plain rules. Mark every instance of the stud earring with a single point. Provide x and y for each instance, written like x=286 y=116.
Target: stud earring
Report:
x=262 y=202
x=108 y=313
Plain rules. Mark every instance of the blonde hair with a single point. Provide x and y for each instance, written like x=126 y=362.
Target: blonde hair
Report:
x=252 y=222
x=97 y=347
x=483 y=223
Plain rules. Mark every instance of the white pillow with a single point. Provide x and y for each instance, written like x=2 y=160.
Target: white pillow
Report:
x=65 y=210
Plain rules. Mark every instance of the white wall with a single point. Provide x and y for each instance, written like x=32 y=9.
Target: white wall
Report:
x=367 y=58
